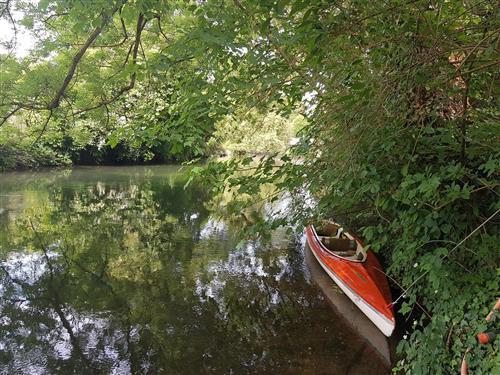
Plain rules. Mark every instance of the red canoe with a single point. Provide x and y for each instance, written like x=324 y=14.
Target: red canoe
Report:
x=355 y=270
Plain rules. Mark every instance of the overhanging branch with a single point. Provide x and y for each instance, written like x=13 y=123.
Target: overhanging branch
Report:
x=54 y=103
x=76 y=59
x=133 y=51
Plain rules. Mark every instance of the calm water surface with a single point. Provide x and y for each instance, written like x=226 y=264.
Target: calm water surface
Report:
x=122 y=270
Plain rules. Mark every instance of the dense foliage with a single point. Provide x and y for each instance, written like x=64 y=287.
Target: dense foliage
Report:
x=402 y=141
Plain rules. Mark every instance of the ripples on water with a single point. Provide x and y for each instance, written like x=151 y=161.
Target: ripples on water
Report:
x=123 y=270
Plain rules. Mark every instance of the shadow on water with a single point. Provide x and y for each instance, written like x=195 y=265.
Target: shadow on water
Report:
x=123 y=270
x=375 y=341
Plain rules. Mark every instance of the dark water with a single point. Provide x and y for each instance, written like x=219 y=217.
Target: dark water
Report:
x=122 y=270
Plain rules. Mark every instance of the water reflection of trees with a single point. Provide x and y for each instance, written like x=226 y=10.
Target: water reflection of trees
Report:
x=139 y=278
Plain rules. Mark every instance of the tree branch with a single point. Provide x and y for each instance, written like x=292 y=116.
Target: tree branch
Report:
x=43 y=128
x=76 y=59
x=9 y=114
x=160 y=29
x=5 y=11
x=56 y=100
x=118 y=44
x=141 y=23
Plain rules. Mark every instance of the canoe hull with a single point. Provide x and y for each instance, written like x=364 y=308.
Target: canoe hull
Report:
x=364 y=283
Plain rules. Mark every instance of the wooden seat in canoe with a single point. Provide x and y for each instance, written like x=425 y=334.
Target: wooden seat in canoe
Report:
x=327 y=229
x=342 y=247
x=339 y=244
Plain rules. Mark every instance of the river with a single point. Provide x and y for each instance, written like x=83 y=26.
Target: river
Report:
x=124 y=270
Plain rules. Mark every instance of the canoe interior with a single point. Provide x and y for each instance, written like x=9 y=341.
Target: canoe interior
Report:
x=340 y=243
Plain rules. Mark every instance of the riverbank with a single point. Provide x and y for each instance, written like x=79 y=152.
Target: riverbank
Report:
x=20 y=159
